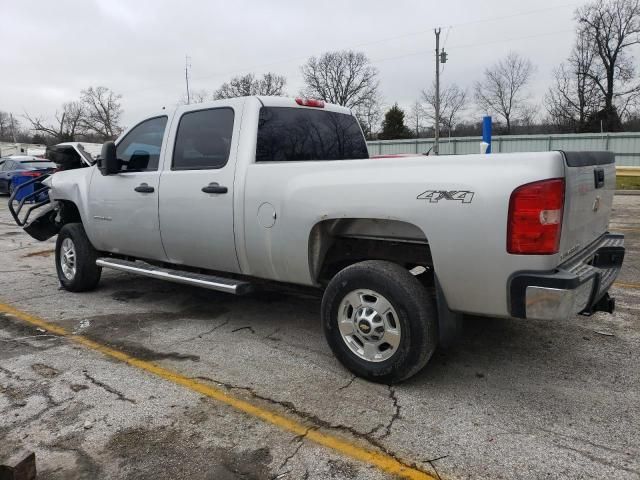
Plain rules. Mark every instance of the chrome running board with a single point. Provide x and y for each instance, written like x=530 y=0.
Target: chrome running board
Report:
x=227 y=285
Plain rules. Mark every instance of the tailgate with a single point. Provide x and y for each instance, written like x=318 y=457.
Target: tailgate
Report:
x=590 y=185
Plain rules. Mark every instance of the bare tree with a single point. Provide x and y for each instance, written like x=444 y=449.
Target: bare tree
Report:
x=246 y=85
x=612 y=28
x=5 y=127
x=574 y=97
x=344 y=77
x=69 y=123
x=503 y=89
x=416 y=117
x=271 y=85
x=369 y=114
x=453 y=101
x=103 y=111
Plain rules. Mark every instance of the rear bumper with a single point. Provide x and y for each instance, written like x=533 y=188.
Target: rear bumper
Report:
x=579 y=285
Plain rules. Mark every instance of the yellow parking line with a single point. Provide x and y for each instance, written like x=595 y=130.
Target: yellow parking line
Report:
x=627 y=285
x=381 y=460
x=624 y=229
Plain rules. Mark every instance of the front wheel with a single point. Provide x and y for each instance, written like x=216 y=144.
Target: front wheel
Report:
x=380 y=321
x=76 y=259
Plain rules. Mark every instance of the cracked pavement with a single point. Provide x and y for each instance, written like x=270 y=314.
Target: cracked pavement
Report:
x=513 y=399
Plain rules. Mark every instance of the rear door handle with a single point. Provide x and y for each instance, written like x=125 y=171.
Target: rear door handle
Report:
x=144 y=188
x=214 y=187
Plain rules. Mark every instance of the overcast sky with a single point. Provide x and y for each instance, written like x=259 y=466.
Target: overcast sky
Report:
x=53 y=49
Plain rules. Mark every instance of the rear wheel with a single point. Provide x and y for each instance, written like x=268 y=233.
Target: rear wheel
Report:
x=76 y=259
x=379 y=321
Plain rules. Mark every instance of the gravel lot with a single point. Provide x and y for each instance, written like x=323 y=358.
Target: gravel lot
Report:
x=515 y=399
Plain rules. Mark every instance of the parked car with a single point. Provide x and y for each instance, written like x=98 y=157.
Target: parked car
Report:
x=235 y=193
x=21 y=166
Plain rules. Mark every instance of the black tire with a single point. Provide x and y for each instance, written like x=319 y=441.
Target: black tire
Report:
x=87 y=274
x=10 y=189
x=414 y=307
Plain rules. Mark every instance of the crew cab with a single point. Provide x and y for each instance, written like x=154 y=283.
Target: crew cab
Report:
x=235 y=194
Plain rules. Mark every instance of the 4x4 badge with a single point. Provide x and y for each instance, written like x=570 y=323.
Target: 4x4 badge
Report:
x=434 y=196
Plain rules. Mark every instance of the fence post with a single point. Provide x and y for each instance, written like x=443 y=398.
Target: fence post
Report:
x=549 y=143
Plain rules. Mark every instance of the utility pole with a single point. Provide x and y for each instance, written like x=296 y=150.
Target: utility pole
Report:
x=437 y=126
x=187 y=66
x=13 y=128
x=417 y=112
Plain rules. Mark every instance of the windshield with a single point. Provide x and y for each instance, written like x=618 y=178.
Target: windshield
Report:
x=87 y=156
x=33 y=165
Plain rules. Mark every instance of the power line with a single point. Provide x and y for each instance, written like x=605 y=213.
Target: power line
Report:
x=502 y=40
x=471 y=45
x=444 y=44
x=374 y=42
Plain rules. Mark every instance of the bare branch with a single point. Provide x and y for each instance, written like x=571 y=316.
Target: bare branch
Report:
x=103 y=111
x=269 y=85
x=453 y=101
x=503 y=89
x=610 y=28
x=69 y=123
x=345 y=77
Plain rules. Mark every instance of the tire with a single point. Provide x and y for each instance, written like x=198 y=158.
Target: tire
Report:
x=352 y=300
x=76 y=259
x=10 y=189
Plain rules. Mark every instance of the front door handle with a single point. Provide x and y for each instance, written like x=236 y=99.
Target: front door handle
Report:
x=214 y=187
x=144 y=188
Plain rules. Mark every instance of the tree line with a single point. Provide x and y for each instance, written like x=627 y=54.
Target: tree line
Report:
x=595 y=89
x=94 y=117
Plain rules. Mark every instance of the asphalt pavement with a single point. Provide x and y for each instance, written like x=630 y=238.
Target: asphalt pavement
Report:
x=513 y=399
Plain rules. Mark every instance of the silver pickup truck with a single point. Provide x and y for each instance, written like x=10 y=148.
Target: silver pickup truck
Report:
x=237 y=194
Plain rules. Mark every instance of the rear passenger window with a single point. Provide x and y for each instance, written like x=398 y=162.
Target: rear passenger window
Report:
x=298 y=134
x=203 y=140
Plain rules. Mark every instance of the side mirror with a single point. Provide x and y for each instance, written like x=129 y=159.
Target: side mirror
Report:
x=109 y=163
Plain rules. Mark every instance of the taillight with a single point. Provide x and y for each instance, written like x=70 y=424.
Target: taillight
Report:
x=30 y=174
x=535 y=218
x=310 y=102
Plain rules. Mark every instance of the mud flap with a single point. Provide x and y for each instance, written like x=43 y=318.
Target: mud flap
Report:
x=449 y=323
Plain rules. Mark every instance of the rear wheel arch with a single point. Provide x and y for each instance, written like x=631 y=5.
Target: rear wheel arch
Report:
x=337 y=243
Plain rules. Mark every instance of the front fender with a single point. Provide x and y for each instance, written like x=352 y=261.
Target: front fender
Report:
x=73 y=186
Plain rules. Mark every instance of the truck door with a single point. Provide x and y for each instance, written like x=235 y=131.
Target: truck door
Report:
x=123 y=208
x=196 y=189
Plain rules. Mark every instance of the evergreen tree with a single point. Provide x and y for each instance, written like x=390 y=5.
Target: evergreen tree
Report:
x=393 y=126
